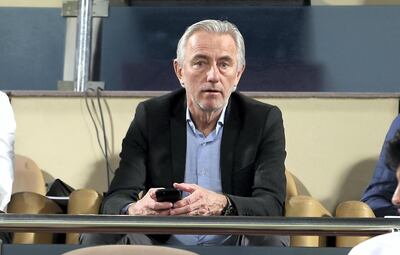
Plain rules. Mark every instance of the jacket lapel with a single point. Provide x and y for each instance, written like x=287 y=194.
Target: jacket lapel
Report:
x=178 y=141
x=229 y=138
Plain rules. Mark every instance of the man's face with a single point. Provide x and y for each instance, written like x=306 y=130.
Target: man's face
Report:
x=396 y=194
x=209 y=71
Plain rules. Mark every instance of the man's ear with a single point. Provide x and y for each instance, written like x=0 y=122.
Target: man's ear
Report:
x=239 y=73
x=178 y=70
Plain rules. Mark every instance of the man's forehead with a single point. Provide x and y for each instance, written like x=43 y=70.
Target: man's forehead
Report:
x=204 y=41
x=200 y=35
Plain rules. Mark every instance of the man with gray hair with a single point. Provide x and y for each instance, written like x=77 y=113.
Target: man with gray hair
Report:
x=224 y=151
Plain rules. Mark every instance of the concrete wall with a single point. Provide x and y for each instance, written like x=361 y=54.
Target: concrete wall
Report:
x=332 y=143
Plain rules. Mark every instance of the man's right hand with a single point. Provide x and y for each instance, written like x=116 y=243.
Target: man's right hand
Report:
x=148 y=205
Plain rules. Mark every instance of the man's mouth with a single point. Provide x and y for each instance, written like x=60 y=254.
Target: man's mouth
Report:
x=211 y=91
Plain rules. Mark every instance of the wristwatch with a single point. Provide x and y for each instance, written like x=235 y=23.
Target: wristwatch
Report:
x=229 y=209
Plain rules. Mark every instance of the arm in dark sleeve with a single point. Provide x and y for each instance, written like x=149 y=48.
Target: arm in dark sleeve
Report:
x=269 y=187
x=130 y=176
x=379 y=192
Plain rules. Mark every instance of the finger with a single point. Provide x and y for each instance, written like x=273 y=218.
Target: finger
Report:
x=154 y=212
x=199 y=208
x=190 y=188
x=152 y=193
x=192 y=198
x=164 y=212
x=194 y=213
x=187 y=209
x=162 y=205
x=180 y=211
x=184 y=207
x=199 y=212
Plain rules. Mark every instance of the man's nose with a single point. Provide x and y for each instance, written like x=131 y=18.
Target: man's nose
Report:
x=213 y=74
x=396 y=196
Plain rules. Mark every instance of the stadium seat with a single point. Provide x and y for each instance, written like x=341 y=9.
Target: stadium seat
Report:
x=352 y=209
x=129 y=250
x=303 y=206
x=83 y=201
x=29 y=198
x=291 y=188
x=28 y=176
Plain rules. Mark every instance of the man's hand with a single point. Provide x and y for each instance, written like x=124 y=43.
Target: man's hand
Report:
x=200 y=201
x=148 y=205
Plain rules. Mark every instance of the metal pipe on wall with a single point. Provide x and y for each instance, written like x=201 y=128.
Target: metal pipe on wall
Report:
x=83 y=45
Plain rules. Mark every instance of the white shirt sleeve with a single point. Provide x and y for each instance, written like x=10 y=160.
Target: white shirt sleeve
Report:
x=386 y=244
x=7 y=137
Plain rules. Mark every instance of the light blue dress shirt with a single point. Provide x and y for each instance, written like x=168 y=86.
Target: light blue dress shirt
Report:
x=202 y=168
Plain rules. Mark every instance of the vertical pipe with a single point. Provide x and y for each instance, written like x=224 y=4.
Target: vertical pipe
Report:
x=83 y=44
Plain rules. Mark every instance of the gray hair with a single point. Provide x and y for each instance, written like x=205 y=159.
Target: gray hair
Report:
x=213 y=26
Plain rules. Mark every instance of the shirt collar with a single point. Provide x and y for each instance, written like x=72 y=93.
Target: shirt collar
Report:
x=220 y=122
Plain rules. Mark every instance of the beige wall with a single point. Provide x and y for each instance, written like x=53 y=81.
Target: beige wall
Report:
x=332 y=144
x=30 y=3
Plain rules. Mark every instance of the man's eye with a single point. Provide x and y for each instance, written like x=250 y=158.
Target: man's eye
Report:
x=224 y=65
x=199 y=63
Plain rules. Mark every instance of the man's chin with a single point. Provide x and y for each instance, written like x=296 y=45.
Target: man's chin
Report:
x=209 y=105
x=211 y=108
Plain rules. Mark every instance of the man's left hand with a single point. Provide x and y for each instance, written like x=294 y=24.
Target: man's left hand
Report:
x=200 y=201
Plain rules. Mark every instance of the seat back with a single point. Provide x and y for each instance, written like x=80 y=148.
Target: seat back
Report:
x=83 y=201
x=28 y=197
x=303 y=206
x=129 y=250
x=32 y=203
x=291 y=188
x=352 y=209
x=306 y=206
x=28 y=176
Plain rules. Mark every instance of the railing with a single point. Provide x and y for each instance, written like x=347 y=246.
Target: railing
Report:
x=198 y=225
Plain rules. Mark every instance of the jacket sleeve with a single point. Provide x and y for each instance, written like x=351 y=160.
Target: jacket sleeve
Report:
x=379 y=192
x=130 y=176
x=269 y=186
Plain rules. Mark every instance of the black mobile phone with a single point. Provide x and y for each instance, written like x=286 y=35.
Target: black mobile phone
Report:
x=168 y=195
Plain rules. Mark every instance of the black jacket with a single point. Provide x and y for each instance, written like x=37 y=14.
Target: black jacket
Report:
x=252 y=154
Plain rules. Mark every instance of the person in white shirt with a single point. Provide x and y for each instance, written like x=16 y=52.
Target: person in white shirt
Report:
x=387 y=244
x=7 y=136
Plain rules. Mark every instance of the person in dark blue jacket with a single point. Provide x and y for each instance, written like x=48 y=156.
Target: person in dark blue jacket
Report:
x=379 y=192
x=389 y=243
